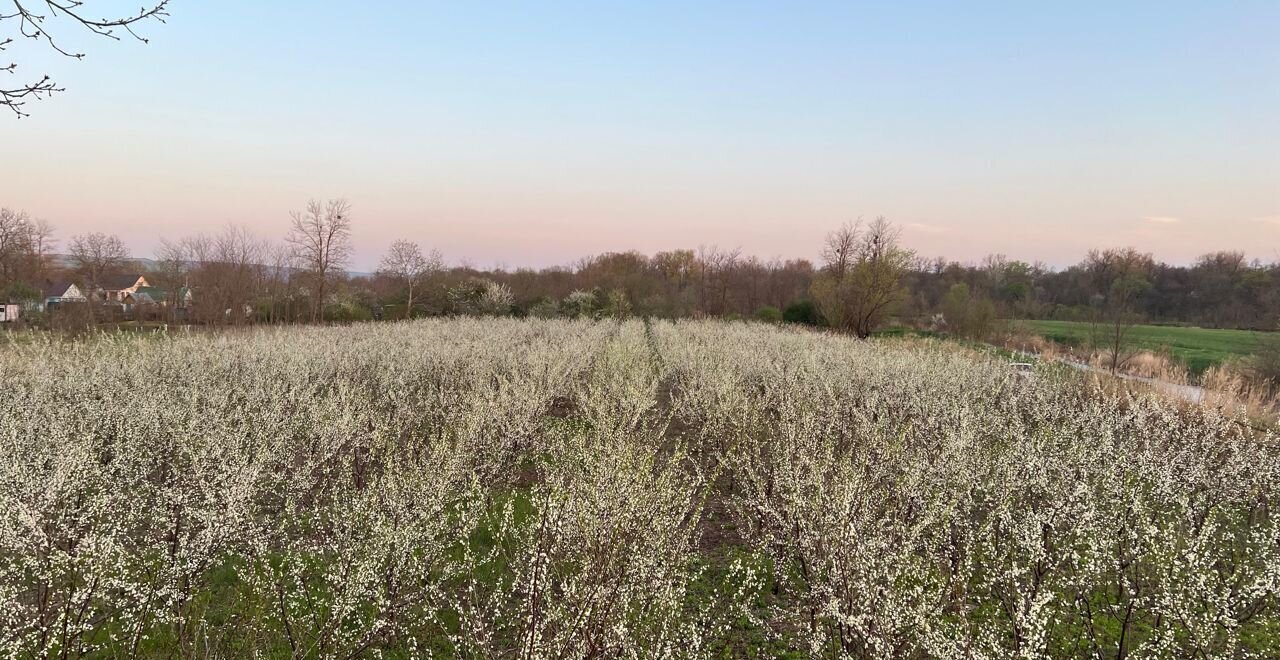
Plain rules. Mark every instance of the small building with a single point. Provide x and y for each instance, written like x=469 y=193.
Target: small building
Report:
x=9 y=312
x=154 y=295
x=146 y=298
x=116 y=287
x=147 y=301
x=150 y=295
x=55 y=294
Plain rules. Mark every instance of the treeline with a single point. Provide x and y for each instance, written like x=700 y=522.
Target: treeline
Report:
x=865 y=278
x=1219 y=290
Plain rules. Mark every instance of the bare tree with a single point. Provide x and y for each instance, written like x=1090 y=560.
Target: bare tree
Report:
x=24 y=21
x=838 y=252
x=406 y=263
x=235 y=272
x=1120 y=277
x=224 y=271
x=43 y=243
x=280 y=266
x=172 y=273
x=321 y=240
x=97 y=255
x=25 y=244
x=862 y=280
x=16 y=244
x=714 y=267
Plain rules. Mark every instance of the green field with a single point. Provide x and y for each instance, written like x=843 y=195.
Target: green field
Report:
x=1198 y=348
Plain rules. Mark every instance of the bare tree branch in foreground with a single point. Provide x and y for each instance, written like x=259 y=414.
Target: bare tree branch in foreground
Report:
x=34 y=21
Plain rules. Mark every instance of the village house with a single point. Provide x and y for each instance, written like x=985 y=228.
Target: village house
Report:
x=54 y=294
x=128 y=294
x=147 y=296
x=116 y=287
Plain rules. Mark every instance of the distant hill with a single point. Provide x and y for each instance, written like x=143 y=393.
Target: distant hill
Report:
x=67 y=261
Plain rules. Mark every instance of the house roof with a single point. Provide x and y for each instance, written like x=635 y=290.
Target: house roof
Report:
x=117 y=282
x=154 y=292
x=55 y=289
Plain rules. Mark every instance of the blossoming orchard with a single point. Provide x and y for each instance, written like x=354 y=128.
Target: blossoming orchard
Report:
x=491 y=488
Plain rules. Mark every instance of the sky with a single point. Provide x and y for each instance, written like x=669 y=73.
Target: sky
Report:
x=531 y=134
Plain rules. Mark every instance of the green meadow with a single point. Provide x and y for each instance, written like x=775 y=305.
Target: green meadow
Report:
x=1198 y=348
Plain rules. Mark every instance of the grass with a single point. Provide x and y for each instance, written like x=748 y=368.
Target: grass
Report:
x=896 y=331
x=1198 y=348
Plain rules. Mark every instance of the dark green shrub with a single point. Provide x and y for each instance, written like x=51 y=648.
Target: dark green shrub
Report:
x=769 y=314
x=347 y=312
x=803 y=312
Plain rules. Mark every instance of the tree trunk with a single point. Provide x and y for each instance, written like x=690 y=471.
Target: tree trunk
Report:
x=317 y=314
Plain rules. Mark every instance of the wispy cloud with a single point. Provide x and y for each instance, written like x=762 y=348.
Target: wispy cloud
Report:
x=925 y=228
x=1161 y=220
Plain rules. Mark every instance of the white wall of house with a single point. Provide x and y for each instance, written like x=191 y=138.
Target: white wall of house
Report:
x=8 y=313
x=72 y=294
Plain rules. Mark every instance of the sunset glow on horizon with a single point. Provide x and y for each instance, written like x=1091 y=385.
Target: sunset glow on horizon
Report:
x=514 y=135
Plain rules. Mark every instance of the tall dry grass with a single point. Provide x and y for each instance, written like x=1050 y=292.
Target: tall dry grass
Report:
x=1236 y=386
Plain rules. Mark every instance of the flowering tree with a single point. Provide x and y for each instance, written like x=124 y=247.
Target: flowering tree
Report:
x=494 y=487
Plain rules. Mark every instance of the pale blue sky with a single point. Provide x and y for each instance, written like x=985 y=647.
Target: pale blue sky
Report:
x=530 y=135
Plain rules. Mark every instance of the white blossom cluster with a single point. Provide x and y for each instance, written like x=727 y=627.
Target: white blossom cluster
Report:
x=916 y=502
x=575 y=489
